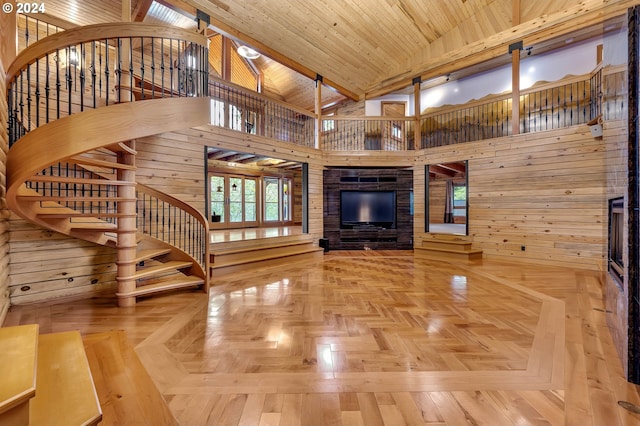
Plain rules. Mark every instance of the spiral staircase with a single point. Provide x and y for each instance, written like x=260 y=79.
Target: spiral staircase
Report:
x=73 y=125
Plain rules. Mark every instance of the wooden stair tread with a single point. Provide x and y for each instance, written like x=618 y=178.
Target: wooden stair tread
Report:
x=171 y=284
x=94 y=226
x=121 y=147
x=65 y=179
x=223 y=264
x=81 y=214
x=100 y=163
x=224 y=252
x=65 y=392
x=163 y=267
x=130 y=396
x=53 y=198
x=146 y=254
x=17 y=365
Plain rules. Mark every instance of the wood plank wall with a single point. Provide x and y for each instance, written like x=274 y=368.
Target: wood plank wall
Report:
x=616 y=299
x=174 y=163
x=4 y=147
x=545 y=191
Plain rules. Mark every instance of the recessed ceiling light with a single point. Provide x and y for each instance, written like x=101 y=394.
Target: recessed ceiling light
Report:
x=247 y=52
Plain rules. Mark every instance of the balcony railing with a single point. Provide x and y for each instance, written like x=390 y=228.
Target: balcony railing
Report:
x=89 y=74
x=367 y=133
x=237 y=108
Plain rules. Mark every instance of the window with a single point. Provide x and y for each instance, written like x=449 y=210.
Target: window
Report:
x=396 y=131
x=459 y=200
x=271 y=199
x=328 y=125
x=217 y=186
x=238 y=200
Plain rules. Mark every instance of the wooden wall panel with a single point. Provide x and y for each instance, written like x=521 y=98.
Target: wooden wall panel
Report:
x=47 y=265
x=617 y=298
x=184 y=176
x=5 y=57
x=545 y=191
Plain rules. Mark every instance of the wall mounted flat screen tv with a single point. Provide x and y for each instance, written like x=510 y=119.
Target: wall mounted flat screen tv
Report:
x=367 y=209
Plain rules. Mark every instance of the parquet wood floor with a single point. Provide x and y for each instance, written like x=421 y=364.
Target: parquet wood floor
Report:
x=374 y=338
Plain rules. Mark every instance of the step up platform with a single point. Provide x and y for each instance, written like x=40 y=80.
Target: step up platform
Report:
x=246 y=255
x=447 y=248
x=46 y=379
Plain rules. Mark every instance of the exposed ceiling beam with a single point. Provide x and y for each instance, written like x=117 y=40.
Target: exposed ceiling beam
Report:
x=208 y=6
x=238 y=158
x=141 y=10
x=456 y=167
x=221 y=154
x=438 y=170
x=585 y=14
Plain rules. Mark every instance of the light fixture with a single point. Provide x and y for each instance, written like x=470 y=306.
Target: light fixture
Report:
x=219 y=189
x=234 y=187
x=247 y=52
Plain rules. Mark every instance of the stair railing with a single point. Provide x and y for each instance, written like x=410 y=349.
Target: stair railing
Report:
x=175 y=222
x=97 y=65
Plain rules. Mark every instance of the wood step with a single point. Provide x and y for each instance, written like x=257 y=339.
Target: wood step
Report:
x=94 y=226
x=65 y=179
x=121 y=147
x=447 y=244
x=447 y=254
x=250 y=248
x=129 y=397
x=86 y=161
x=163 y=267
x=81 y=214
x=167 y=285
x=147 y=254
x=18 y=371
x=263 y=260
x=56 y=199
x=65 y=393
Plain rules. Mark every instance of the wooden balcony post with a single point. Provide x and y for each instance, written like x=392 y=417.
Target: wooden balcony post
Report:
x=515 y=49
x=417 y=109
x=318 y=111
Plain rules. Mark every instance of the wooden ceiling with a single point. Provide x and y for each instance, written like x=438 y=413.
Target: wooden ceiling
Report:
x=367 y=48
x=223 y=157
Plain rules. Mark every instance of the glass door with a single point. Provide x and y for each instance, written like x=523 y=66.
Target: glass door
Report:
x=234 y=201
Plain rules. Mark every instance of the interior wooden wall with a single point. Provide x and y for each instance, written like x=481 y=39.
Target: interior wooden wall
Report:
x=174 y=163
x=545 y=191
x=617 y=299
x=4 y=147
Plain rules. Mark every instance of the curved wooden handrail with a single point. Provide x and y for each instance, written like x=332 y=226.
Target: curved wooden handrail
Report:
x=93 y=129
x=174 y=202
x=97 y=32
x=201 y=264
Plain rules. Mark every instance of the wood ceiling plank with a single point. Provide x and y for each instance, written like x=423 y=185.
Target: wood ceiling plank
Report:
x=586 y=14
